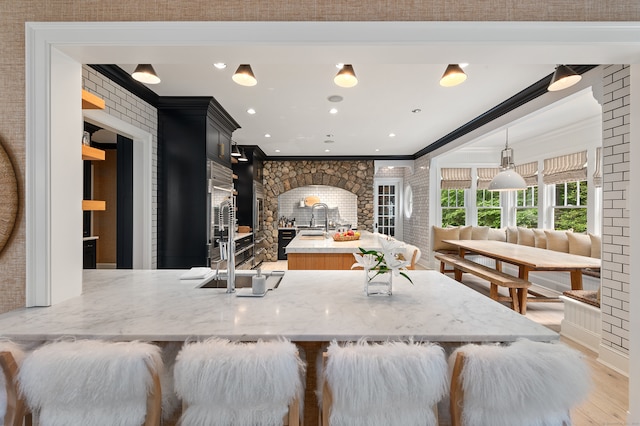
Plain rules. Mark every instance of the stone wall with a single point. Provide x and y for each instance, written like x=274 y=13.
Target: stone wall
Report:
x=282 y=176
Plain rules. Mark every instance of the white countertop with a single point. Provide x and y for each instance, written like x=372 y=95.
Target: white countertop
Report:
x=300 y=244
x=307 y=306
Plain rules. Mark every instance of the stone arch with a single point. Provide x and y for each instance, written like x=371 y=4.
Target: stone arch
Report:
x=355 y=176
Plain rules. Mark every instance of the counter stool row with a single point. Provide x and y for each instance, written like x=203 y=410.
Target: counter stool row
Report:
x=92 y=382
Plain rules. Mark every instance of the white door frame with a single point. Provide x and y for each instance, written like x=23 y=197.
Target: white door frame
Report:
x=399 y=209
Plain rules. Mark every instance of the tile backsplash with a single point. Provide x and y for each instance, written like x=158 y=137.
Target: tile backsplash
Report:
x=343 y=207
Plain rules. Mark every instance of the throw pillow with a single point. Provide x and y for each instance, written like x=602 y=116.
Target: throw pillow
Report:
x=596 y=246
x=526 y=237
x=479 y=232
x=440 y=234
x=579 y=244
x=497 y=234
x=512 y=234
x=465 y=232
x=557 y=241
x=540 y=238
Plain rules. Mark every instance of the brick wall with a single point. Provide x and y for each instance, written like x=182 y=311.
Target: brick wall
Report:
x=129 y=108
x=416 y=228
x=616 y=242
x=343 y=205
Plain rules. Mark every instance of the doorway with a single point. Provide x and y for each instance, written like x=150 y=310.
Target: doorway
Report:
x=387 y=201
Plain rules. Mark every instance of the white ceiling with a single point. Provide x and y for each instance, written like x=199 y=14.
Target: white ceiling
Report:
x=398 y=66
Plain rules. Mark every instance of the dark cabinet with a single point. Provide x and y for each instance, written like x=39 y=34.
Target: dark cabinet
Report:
x=247 y=172
x=190 y=131
x=89 y=254
x=284 y=238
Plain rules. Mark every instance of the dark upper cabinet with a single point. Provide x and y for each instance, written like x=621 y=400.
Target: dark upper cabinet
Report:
x=247 y=172
x=189 y=132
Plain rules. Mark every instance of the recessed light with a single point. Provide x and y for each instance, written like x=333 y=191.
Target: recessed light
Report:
x=333 y=111
x=335 y=98
x=220 y=65
x=327 y=150
x=277 y=150
x=392 y=135
x=267 y=135
x=377 y=149
x=328 y=141
x=416 y=110
x=251 y=111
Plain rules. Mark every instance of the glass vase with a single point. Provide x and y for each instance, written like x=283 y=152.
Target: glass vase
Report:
x=378 y=284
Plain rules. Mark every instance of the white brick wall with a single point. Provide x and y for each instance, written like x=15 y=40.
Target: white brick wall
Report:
x=133 y=110
x=343 y=204
x=615 y=215
x=416 y=229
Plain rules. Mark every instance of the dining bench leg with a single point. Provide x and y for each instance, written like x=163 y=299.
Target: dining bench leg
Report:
x=576 y=279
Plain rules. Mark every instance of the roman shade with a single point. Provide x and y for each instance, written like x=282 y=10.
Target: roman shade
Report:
x=597 y=175
x=455 y=178
x=565 y=168
x=529 y=172
x=485 y=176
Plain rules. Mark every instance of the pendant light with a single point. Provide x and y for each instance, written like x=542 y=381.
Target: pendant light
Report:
x=235 y=152
x=563 y=77
x=243 y=157
x=145 y=73
x=244 y=76
x=346 y=77
x=508 y=179
x=452 y=76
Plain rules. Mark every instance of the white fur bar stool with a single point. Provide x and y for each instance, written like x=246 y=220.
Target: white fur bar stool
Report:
x=12 y=407
x=92 y=383
x=526 y=383
x=240 y=384
x=394 y=383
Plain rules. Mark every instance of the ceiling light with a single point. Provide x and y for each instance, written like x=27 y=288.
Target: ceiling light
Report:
x=220 y=65
x=508 y=179
x=333 y=111
x=251 y=111
x=392 y=135
x=377 y=149
x=235 y=152
x=277 y=150
x=327 y=150
x=452 y=76
x=145 y=73
x=244 y=76
x=328 y=141
x=416 y=110
x=267 y=135
x=563 y=77
x=346 y=77
x=335 y=98
x=242 y=157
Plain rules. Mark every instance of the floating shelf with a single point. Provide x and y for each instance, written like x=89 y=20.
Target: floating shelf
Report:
x=90 y=153
x=91 y=101
x=93 y=205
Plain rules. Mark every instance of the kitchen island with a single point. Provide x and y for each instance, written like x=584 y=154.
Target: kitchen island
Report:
x=310 y=308
x=316 y=252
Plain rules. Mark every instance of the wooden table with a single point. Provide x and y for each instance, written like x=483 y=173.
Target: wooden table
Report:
x=529 y=259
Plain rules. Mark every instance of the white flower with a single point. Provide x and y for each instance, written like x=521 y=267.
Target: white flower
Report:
x=383 y=261
x=366 y=261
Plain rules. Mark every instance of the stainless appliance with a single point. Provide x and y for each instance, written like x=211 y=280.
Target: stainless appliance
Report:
x=260 y=243
x=220 y=197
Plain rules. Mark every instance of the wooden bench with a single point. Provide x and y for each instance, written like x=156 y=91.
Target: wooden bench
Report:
x=517 y=286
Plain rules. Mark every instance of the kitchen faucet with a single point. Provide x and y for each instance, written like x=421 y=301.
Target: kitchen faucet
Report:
x=326 y=216
x=227 y=248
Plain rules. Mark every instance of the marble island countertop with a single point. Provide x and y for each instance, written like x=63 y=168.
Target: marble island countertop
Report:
x=304 y=243
x=307 y=306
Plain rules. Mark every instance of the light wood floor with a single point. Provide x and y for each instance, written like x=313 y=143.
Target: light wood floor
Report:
x=608 y=402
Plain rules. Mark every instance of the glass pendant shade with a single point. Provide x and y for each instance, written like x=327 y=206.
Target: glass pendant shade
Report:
x=244 y=76
x=346 y=77
x=563 y=77
x=145 y=73
x=452 y=76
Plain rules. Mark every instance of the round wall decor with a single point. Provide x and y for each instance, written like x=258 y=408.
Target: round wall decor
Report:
x=9 y=197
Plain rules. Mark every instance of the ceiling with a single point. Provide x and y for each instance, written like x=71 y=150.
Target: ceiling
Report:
x=398 y=65
x=292 y=106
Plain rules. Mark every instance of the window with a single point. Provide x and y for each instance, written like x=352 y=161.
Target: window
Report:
x=527 y=207
x=570 y=209
x=453 y=210
x=488 y=204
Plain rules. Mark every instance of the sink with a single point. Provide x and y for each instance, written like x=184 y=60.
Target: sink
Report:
x=244 y=281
